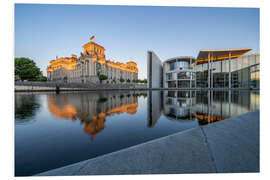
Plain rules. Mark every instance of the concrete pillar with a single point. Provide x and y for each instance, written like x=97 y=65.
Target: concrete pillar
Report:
x=230 y=75
x=195 y=80
x=190 y=80
x=212 y=99
x=208 y=65
x=211 y=61
x=208 y=106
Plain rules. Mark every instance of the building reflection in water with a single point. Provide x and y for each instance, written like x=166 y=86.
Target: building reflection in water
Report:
x=154 y=107
x=179 y=105
x=92 y=108
x=202 y=106
x=214 y=106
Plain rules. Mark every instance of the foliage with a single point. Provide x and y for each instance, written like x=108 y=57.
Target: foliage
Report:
x=122 y=80
x=144 y=81
x=26 y=69
x=139 y=81
x=128 y=80
x=42 y=78
x=102 y=77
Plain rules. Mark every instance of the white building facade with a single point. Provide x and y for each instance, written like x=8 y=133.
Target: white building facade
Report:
x=179 y=73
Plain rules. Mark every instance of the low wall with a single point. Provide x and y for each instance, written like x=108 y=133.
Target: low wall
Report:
x=40 y=88
x=51 y=86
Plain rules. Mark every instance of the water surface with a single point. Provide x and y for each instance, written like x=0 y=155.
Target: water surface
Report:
x=54 y=130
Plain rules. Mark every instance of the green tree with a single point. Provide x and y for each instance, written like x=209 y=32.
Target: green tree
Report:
x=26 y=69
x=42 y=78
x=122 y=80
x=102 y=77
x=144 y=81
x=128 y=80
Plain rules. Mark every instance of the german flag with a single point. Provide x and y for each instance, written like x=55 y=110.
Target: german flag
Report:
x=92 y=38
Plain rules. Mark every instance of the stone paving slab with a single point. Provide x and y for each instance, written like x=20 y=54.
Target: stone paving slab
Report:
x=234 y=143
x=184 y=152
x=64 y=171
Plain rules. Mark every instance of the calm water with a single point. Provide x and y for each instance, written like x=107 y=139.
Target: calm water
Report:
x=54 y=130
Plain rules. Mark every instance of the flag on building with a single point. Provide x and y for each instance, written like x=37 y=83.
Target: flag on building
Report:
x=92 y=38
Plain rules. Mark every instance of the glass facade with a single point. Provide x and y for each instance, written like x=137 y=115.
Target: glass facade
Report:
x=208 y=106
x=179 y=73
x=179 y=64
x=245 y=73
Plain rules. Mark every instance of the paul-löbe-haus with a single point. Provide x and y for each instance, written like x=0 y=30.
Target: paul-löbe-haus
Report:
x=89 y=66
x=225 y=68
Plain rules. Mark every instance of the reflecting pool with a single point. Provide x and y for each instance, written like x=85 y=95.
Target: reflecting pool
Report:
x=54 y=130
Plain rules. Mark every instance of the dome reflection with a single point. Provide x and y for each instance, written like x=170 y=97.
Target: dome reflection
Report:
x=91 y=109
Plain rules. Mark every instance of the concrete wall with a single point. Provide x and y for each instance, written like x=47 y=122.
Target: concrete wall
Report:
x=50 y=86
x=154 y=71
x=40 y=88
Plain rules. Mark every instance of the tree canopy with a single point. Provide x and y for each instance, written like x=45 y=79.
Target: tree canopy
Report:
x=139 y=81
x=102 y=77
x=26 y=69
x=122 y=80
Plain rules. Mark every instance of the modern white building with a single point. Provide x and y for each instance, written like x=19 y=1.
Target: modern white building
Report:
x=175 y=72
x=178 y=72
x=218 y=68
x=154 y=71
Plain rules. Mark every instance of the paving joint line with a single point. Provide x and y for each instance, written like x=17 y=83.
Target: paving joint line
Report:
x=209 y=149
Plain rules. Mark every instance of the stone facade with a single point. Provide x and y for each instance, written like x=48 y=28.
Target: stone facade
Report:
x=58 y=69
x=89 y=66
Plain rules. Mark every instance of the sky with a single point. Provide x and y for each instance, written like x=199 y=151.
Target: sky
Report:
x=44 y=31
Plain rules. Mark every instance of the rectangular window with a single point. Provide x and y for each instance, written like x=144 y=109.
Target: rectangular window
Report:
x=169 y=76
x=183 y=75
x=172 y=66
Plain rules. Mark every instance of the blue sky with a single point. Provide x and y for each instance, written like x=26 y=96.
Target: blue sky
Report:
x=43 y=32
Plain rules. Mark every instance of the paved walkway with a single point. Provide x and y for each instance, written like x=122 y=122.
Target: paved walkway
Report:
x=226 y=146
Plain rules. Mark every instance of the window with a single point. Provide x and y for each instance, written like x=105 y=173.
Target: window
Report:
x=172 y=65
x=169 y=76
x=183 y=75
